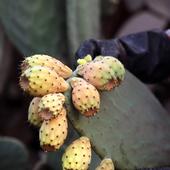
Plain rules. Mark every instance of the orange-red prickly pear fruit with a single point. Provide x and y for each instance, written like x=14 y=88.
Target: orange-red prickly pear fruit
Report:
x=104 y=73
x=85 y=97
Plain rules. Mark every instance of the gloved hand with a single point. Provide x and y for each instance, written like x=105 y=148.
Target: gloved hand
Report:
x=145 y=54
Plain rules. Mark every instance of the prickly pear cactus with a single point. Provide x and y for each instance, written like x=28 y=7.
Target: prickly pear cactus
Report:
x=13 y=154
x=131 y=127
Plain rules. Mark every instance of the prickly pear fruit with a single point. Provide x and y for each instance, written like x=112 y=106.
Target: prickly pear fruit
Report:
x=81 y=61
x=88 y=58
x=104 y=73
x=39 y=81
x=33 y=116
x=53 y=132
x=84 y=60
x=51 y=105
x=106 y=164
x=85 y=97
x=48 y=61
x=77 y=155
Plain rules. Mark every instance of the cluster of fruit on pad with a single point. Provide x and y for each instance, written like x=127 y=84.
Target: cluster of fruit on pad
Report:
x=47 y=78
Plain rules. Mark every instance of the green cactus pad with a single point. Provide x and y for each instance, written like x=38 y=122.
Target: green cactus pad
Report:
x=13 y=154
x=131 y=127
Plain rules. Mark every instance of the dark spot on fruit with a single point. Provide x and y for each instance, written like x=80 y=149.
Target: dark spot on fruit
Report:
x=46 y=114
x=48 y=148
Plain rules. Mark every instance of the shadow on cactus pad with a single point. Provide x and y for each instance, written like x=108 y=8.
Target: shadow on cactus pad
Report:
x=13 y=154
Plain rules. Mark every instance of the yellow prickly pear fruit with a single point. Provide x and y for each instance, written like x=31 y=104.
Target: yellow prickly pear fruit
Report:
x=85 y=60
x=104 y=73
x=81 y=61
x=33 y=116
x=77 y=155
x=51 y=105
x=48 y=61
x=39 y=81
x=85 y=97
x=106 y=164
x=53 y=132
x=88 y=58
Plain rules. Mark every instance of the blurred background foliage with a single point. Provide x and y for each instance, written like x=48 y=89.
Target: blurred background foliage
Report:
x=57 y=27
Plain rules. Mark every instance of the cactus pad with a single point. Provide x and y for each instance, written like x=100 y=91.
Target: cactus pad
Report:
x=131 y=127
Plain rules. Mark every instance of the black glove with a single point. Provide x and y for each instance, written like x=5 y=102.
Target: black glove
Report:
x=145 y=54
